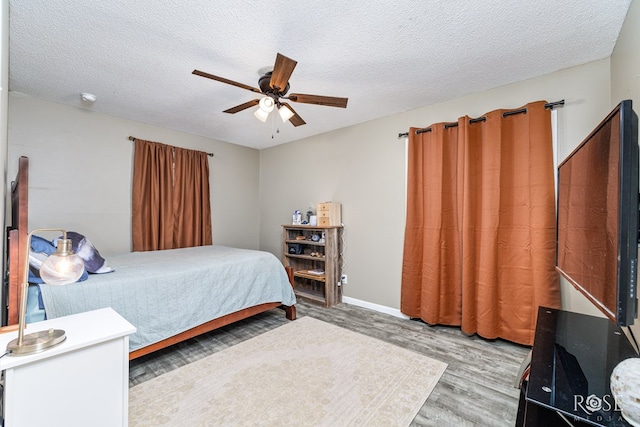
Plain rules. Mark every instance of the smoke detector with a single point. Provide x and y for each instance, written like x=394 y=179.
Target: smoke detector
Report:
x=88 y=97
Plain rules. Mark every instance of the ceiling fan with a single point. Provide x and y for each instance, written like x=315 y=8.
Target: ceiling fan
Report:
x=274 y=85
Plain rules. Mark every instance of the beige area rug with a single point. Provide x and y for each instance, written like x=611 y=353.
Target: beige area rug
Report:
x=304 y=373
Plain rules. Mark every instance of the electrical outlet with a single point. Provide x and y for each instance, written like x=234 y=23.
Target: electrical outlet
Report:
x=343 y=279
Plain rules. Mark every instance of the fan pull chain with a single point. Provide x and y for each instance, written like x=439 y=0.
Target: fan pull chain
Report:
x=274 y=124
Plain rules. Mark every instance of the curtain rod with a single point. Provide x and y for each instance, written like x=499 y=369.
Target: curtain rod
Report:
x=548 y=105
x=131 y=138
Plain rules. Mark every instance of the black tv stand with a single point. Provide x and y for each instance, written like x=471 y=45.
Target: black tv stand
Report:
x=571 y=363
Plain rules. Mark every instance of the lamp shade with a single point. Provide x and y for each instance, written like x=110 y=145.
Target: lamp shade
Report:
x=266 y=104
x=285 y=113
x=63 y=266
x=261 y=114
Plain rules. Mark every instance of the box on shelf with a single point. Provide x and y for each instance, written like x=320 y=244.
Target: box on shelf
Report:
x=329 y=214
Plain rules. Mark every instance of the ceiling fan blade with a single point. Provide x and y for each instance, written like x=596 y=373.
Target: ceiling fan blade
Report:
x=295 y=120
x=227 y=81
x=241 y=107
x=282 y=70
x=330 y=101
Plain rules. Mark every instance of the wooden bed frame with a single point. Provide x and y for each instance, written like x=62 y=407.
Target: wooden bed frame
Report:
x=17 y=240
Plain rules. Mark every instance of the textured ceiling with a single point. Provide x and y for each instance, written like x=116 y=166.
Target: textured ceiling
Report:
x=386 y=56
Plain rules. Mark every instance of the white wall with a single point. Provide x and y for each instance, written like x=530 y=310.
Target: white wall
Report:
x=363 y=167
x=625 y=61
x=81 y=169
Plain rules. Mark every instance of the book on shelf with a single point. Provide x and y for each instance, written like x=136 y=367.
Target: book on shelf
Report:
x=316 y=272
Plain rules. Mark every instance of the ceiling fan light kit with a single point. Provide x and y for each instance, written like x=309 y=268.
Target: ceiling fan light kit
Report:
x=266 y=104
x=274 y=85
x=285 y=113
x=261 y=115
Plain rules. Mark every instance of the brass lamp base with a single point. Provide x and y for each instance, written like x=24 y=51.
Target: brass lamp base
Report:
x=36 y=342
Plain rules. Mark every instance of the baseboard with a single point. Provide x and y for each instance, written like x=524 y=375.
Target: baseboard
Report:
x=375 y=307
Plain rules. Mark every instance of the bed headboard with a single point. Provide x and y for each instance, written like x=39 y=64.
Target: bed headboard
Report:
x=17 y=234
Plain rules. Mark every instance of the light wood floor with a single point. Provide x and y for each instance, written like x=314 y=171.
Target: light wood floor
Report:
x=475 y=390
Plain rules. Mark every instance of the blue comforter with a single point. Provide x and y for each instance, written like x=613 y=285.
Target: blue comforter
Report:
x=163 y=293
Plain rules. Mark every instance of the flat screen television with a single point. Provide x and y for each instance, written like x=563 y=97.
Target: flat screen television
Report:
x=597 y=224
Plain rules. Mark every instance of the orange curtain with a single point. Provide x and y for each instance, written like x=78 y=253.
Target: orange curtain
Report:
x=480 y=234
x=432 y=239
x=170 y=205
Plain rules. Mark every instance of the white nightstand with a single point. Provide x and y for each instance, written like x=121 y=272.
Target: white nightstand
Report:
x=82 y=382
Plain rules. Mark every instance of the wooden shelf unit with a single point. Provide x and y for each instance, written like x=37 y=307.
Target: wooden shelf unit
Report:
x=315 y=288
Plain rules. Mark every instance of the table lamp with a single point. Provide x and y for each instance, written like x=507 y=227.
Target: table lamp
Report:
x=59 y=268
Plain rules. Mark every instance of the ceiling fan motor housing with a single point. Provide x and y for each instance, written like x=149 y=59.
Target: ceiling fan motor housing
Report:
x=264 y=83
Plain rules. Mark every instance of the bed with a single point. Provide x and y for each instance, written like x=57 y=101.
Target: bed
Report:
x=169 y=296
